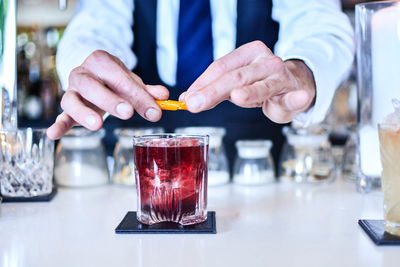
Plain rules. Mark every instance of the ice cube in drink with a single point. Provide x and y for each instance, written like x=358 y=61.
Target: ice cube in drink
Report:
x=390 y=157
x=171 y=178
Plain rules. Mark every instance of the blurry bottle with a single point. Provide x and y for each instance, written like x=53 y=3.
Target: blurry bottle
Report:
x=254 y=164
x=306 y=157
x=81 y=159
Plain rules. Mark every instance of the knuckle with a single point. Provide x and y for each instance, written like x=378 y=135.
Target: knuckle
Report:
x=137 y=98
x=76 y=71
x=268 y=85
x=221 y=65
x=260 y=46
x=85 y=83
x=98 y=54
x=96 y=57
x=80 y=82
x=126 y=87
x=126 y=84
x=239 y=77
x=74 y=74
x=277 y=63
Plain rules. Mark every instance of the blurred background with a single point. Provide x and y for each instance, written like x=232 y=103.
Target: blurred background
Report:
x=40 y=28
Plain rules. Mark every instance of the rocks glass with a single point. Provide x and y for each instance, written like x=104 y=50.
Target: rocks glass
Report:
x=390 y=157
x=26 y=163
x=171 y=178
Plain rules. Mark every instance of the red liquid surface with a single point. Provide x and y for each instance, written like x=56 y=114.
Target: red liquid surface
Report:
x=171 y=182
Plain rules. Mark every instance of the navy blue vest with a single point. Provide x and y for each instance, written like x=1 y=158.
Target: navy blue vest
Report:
x=253 y=23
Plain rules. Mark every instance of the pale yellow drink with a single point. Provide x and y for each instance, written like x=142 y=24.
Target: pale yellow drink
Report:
x=389 y=138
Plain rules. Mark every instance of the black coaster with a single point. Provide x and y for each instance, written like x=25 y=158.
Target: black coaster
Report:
x=44 y=198
x=130 y=225
x=375 y=229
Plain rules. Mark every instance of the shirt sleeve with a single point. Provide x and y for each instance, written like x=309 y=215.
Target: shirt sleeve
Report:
x=96 y=25
x=320 y=34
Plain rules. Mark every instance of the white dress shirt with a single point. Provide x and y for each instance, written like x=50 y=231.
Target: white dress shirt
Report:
x=315 y=31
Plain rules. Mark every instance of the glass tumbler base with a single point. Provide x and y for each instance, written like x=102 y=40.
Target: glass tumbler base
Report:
x=392 y=228
x=186 y=220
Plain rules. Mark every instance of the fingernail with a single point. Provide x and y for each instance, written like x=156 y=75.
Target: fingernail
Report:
x=195 y=101
x=152 y=114
x=124 y=110
x=91 y=120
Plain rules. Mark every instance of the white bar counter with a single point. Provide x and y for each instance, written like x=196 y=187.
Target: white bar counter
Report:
x=273 y=225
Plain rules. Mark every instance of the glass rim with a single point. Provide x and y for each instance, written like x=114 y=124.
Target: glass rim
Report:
x=387 y=126
x=172 y=136
x=143 y=140
x=376 y=3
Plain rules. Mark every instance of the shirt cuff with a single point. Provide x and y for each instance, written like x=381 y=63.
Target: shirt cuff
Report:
x=325 y=86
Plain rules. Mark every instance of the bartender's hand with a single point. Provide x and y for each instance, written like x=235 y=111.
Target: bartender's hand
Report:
x=103 y=84
x=252 y=76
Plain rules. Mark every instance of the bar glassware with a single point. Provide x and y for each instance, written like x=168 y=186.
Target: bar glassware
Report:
x=81 y=159
x=171 y=178
x=390 y=158
x=254 y=164
x=378 y=66
x=26 y=163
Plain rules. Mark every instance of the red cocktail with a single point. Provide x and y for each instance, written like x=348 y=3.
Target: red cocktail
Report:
x=171 y=178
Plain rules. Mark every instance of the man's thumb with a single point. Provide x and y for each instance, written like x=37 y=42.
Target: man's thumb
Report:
x=297 y=100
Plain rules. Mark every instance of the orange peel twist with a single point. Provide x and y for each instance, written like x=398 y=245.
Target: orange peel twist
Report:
x=171 y=105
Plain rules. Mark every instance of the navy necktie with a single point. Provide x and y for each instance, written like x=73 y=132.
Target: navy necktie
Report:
x=195 y=49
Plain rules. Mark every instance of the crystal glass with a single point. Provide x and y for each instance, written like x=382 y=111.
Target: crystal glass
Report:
x=81 y=159
x=171 y=178
x=26 y=164
x=390 y=158
x=307 y=156
x=378 y=65
x=254 y=164
x=218 y=167
x=123 y=171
